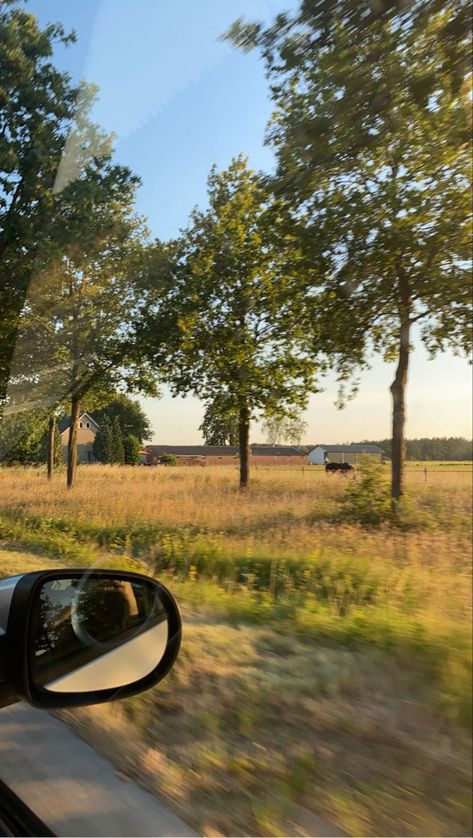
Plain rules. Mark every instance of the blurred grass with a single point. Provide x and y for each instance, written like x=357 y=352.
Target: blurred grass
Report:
x=326 y=664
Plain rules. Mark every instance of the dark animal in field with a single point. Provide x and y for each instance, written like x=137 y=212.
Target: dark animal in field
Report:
x=344 y=468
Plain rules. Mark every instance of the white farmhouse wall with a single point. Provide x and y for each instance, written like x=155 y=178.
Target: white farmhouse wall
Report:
x=316 y=457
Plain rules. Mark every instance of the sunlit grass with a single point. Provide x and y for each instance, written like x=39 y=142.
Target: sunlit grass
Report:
x=324 y=664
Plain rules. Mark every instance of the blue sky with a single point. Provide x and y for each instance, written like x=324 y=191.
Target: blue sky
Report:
x=179 y=100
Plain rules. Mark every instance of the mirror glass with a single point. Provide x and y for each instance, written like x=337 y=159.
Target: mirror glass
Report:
x=96 y=633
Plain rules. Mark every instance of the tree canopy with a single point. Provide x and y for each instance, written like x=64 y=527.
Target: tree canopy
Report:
x=431 y=448
x=289 y=429
x=219 y=425
x=232 y=310
x=371 y=131
x=37 y=107
x=131 y=416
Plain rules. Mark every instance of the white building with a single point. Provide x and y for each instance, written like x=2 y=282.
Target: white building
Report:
x=343 y=453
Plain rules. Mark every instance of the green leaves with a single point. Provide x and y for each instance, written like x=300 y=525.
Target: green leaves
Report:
x=220 y=423
x=371 y=117
x=231 y=314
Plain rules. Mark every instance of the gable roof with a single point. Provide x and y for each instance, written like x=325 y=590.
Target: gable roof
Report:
x=354 y=448
x=65 y=422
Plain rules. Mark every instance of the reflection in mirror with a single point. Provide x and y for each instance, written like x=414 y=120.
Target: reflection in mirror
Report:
x=96 y=633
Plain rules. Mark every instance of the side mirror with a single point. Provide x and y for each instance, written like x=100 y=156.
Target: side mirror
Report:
x=76 y=637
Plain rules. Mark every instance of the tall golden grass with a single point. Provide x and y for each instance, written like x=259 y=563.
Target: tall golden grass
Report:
x=342 y=684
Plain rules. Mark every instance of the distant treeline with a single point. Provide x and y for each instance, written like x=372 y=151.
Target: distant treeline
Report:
x=435 y=448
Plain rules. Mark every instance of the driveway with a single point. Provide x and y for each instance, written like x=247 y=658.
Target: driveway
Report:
x=74 y=790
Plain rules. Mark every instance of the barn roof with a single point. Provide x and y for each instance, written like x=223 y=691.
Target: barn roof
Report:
x=223 y=450
x=354 y=448
x=193 y=450
x=276 y=451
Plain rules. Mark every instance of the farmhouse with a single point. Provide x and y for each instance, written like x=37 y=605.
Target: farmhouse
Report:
x=343 y=453
x=226 y=454
x=86 y=433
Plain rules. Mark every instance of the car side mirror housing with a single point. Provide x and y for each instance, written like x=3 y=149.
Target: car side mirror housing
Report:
x=76 y=637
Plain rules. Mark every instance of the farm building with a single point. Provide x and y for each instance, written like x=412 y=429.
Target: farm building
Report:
x=86 y=433
x=226 y=454
x=343 y=453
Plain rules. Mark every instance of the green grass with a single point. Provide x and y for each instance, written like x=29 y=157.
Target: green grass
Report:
x=323 y=659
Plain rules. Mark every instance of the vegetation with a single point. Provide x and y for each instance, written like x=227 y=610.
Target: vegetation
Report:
x=278 y=429
x=372 y=137
x=111 y=445
x=168 y=459
x=231 y=309
x=431 y=448
x=132 y=418
x=36 y=111
x=340 y=607
x=131 y=449
x=24 y=438
x=220 y=424
x=356 y=636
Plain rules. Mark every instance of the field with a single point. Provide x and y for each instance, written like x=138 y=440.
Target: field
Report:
x=326 y=659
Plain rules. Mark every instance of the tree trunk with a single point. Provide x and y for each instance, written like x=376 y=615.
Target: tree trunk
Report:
x=398 y=388
x=72 y=441
x=244 y=443
x=51 y=445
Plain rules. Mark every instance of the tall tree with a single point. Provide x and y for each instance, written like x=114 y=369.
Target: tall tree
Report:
x=102 y=447
x=79 y=306
x=37 y=106
x=371 y=132
x=289 y=429
x=132 y=448
x=220 y=424
x=118 y=448
x=133 y=420
x=231 y=311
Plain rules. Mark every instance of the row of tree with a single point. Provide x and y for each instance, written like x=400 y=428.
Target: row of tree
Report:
x=111 y=445
x=358 y=237
x=434 y=448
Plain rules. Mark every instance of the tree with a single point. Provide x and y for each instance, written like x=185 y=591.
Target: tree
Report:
x=52 y=446
x=80 y=305
x=288 y=429
x=102 y=447
x=22 y=436
x=371 y=133
x=132 y=448
x=37 y=106
x=118 y=448
x=219 y=425
x=435 y=448
x=133 y=419
x=232 y=317
x=66 y=219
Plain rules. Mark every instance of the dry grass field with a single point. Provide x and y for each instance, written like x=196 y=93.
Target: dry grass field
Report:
x=326 y=659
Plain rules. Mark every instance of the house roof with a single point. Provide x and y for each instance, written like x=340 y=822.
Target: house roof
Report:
x=354 y=448
x=65 y=422
x=222 y=450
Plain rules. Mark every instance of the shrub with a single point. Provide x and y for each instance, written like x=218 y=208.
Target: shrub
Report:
x=367 y=500
x=132 y=448
x=168 y=460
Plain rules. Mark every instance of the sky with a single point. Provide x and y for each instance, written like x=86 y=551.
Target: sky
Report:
x=179 y=100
